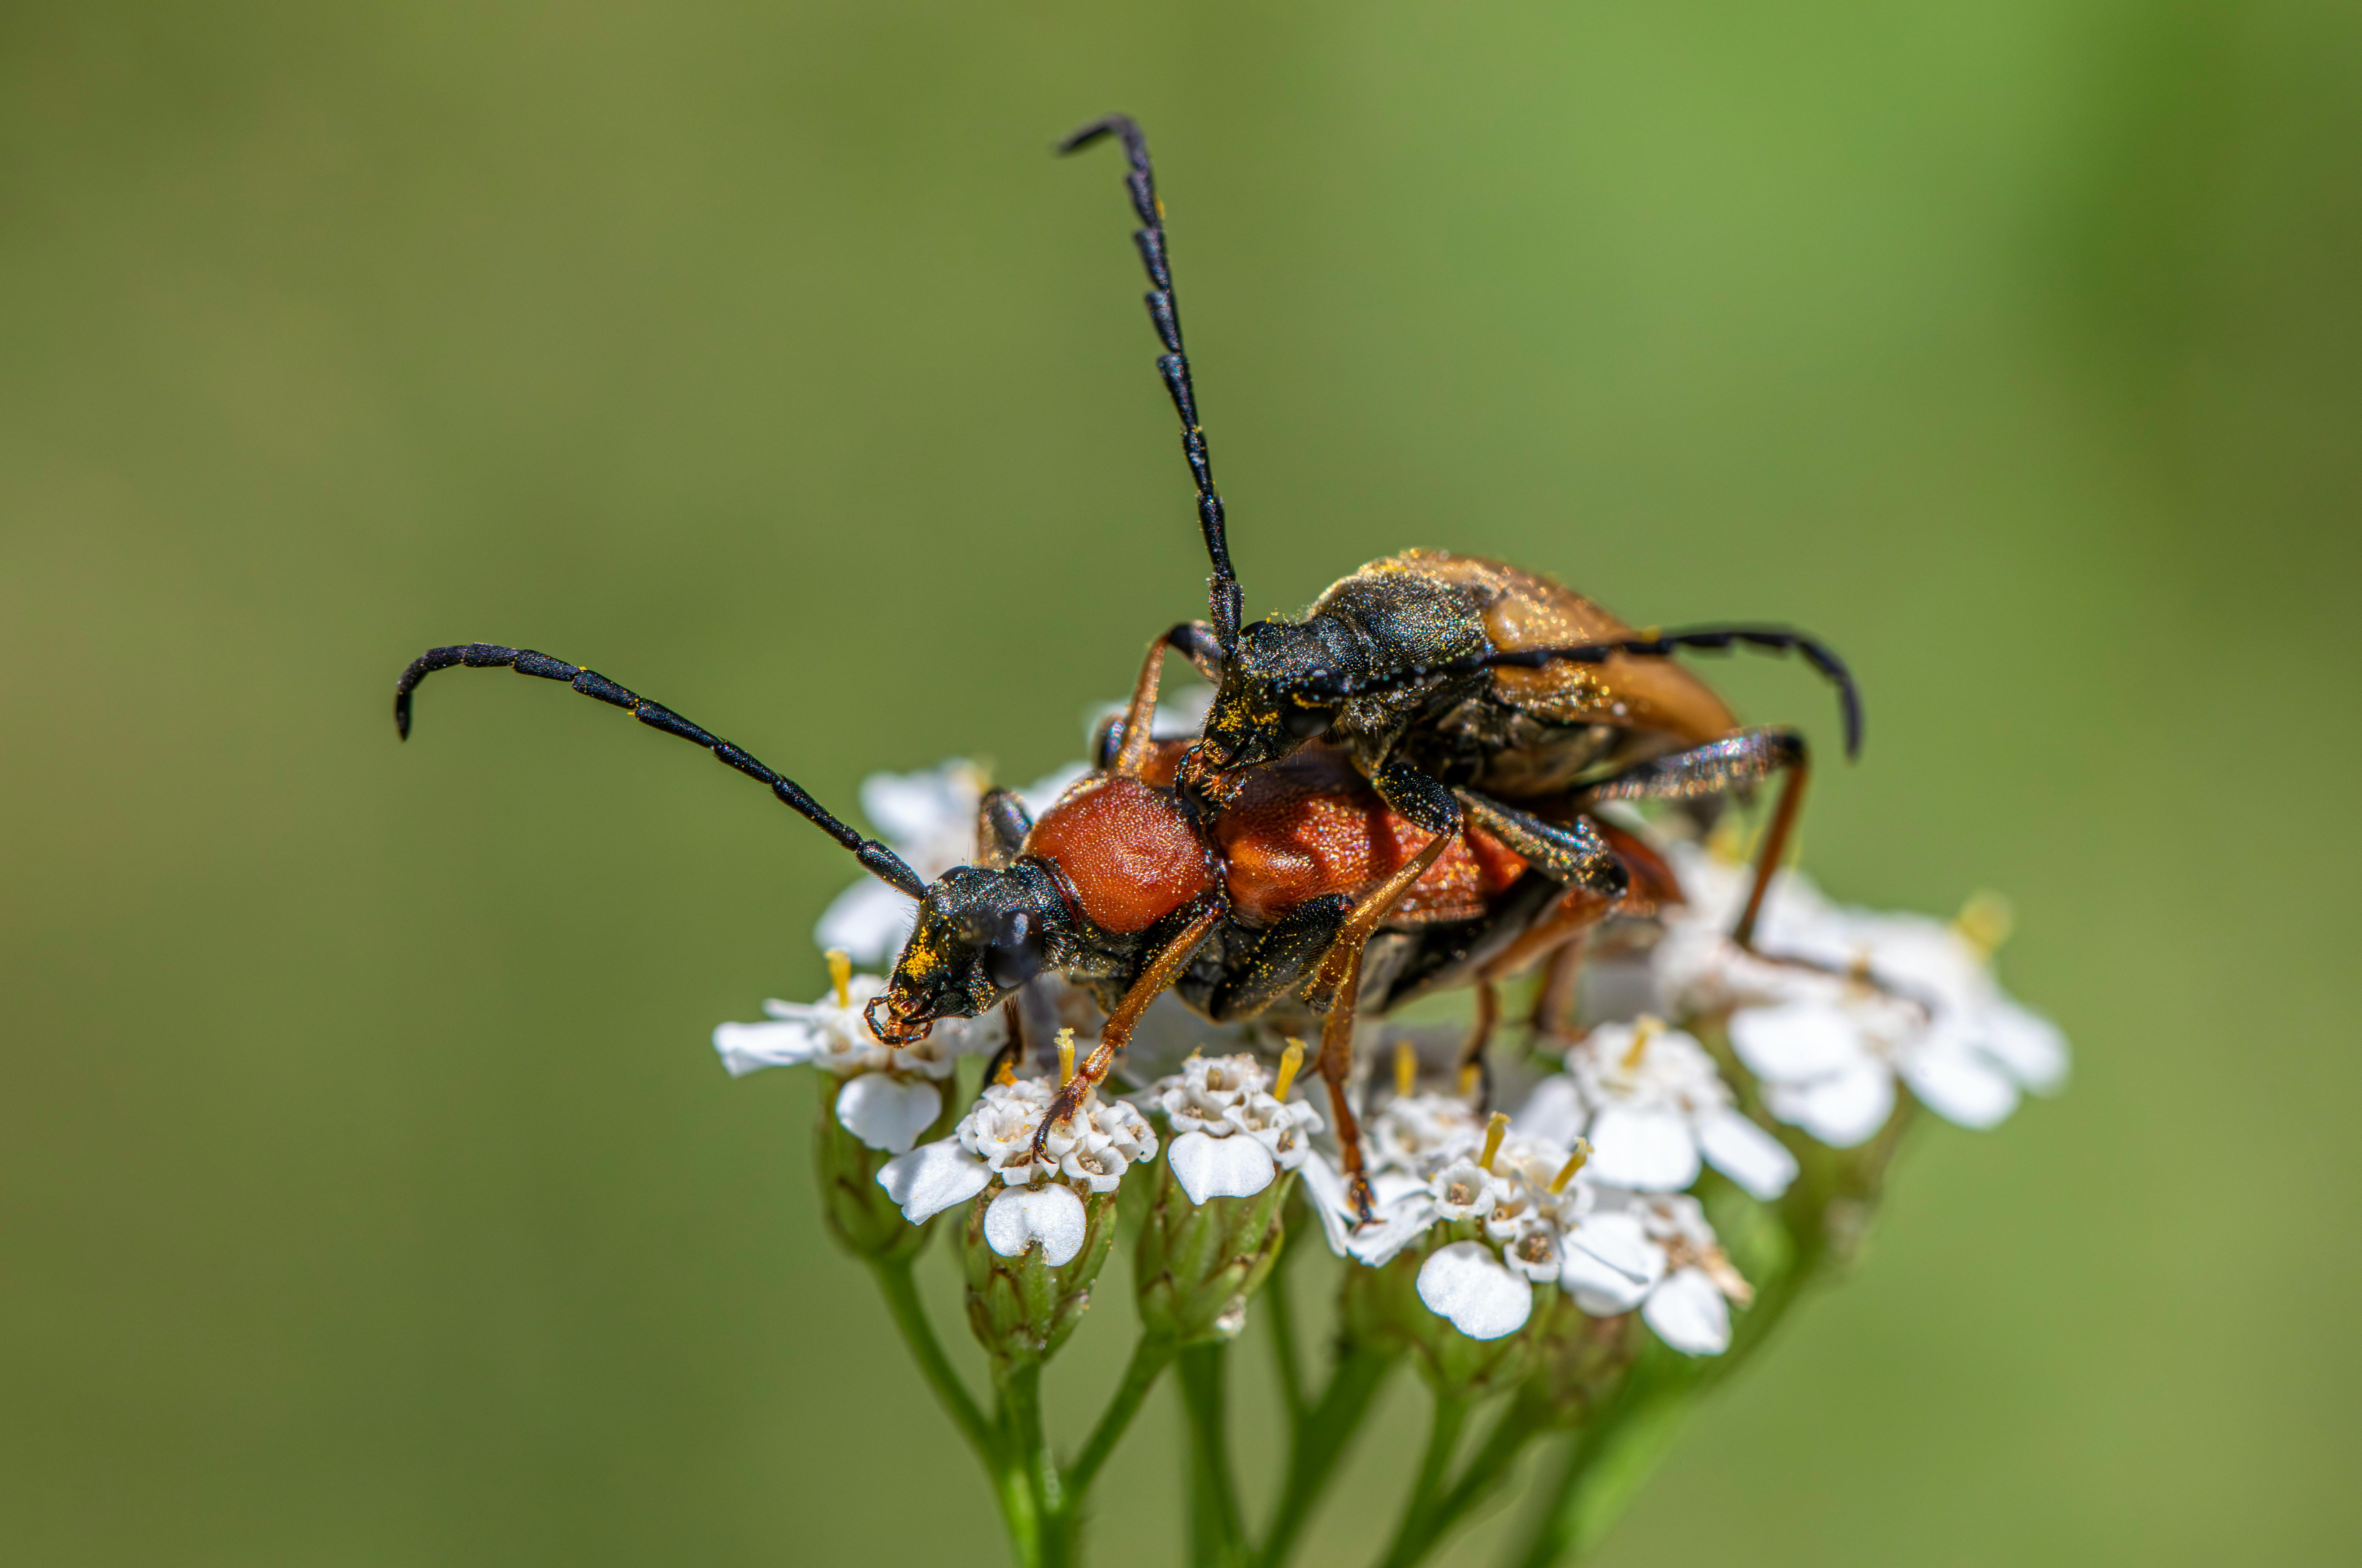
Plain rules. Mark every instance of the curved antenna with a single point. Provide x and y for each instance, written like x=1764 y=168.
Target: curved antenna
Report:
x=1770 y=639
x=875 y=857
x=1222 y=588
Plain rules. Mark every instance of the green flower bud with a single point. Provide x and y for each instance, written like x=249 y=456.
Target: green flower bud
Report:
x=863 y=1220
x=1197 y=1263
x=1020 y=1304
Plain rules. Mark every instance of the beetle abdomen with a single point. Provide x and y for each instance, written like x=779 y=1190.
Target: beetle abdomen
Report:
x=1126 y=849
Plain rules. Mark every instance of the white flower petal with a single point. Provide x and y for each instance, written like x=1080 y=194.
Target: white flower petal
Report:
x=1331 y=1202
x=1618 y=1244
x=1841 y=1111
x=888 y=1113
x=2029 y=1045
x=1051 y=1215
x=1956 y=1083
x=932 y=1177
x=1796 y=1040
x=1749 y=1155
x=906 y=806
x=1643 y=1151
x=869 y=921
x=750 y=1047
x=1554 y=1112
x=1689 y=1314
x=1397 y=1227
x=1220 y=1168
x=1465 y=1284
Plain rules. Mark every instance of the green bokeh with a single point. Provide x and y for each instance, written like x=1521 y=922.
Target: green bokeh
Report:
x=368 y=1191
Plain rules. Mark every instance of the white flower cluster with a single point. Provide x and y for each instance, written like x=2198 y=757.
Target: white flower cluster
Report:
x=1233 y=1128
x=928 y=819
x=1040 y=1199
x=1653 y=1106
x=1538 y=1216
x=1848 y=1000
x=889 y=1094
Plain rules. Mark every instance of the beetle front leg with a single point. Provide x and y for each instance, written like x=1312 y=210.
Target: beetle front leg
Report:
x=1162 y=971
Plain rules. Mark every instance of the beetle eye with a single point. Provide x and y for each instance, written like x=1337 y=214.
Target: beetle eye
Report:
x=1302 y=721
x=1015 y=955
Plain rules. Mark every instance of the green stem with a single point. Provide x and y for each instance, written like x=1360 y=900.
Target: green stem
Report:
x=1483 y=1474
x=1415 y=1533
x=1020 y=1404
x=1288 y=1363
x=1215 y=1534
x=1148 y=1358
x=901 y=1292
x=1320 y=1439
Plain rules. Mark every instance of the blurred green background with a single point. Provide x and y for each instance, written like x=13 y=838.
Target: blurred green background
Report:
x=368 y=1192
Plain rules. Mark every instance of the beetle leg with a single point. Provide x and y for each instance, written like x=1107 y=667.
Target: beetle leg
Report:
x=1333 y=991
x=1473 y=1059
x=1732 y=764
x=1416 y=798
x=1554 y=1003
x=1001 y=824
x=1162 y=971
x=1336 y=1063
x=1569 y=853
x=1288 y=951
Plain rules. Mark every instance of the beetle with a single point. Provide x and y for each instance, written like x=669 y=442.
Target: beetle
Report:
x=1127 y=886
x=1413 y=756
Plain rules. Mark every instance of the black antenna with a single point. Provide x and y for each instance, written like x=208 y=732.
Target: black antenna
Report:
x=1222 y=588
x=875 y=857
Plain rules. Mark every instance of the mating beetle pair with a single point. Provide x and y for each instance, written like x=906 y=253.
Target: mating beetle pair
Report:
x=1392 y=794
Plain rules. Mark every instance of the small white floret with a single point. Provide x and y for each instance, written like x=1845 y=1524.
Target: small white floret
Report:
x=1220 y=1168
x=1468 y=1286
x=1689 y=1314
x=933 y=1177
x=1841 y=1110
x=1736 y=1146
x=886 y=1113
x=1644 y=1149
x=1050 y=1215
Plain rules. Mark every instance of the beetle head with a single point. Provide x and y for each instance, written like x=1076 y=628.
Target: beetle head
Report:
x=1278 y=691
x=981 y=934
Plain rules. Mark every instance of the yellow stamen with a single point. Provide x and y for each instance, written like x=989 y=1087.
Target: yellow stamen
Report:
x=1574 y=1163
x=1644 y=1029
x=1406 y=1069
x=1494 y=1130
x=1984 y=921
x=1469 y=1075
x=1066 y=1058
x=840 y=974
x=1290 y=1061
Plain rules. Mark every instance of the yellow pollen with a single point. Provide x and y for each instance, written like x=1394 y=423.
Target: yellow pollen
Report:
x=1008 y=1073
x=1494 y=1130
x=1406 y=1069
x=1470 y=1074
x=1984 y=921
x=1645 y=1029
x=1291 y=1061
x=1574 y=1163
x=1066 y=1058
x=840 y=974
